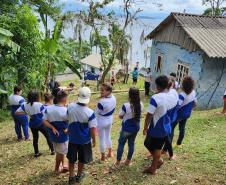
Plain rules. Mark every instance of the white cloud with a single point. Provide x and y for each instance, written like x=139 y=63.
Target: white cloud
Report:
x=153 y=6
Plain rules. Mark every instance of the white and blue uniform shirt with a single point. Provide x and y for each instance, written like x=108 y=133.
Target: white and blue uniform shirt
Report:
x=56 y=115
x=35 y=112
x=173 y=102
x=158 y=107
x=128 y=123
x=104 y=111
x=186 y=103
x=81 y=119
x=15 y=101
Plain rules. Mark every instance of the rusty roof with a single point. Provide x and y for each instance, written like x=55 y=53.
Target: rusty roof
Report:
x=209 y=33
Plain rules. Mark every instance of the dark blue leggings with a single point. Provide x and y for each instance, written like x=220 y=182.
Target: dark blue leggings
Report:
x=21 y=122
x=124 y=136
x=182 y=125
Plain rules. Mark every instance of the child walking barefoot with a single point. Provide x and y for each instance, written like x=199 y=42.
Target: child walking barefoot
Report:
x=131 y=115
x=35 y=110
x=55 y=118
x=82 y=124
x=104 y=111
x=173 y=108
x=187 y=101
x=15 y=101
x=157 y=124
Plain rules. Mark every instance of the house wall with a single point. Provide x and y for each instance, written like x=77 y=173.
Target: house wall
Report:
x=213 y=72
x=170 y=55
x=205 y=71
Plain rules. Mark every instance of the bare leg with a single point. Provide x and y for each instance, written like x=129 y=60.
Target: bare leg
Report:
x=110 y=154
x=71 y=170
x=156 y=163
x=102 y=157
x=80 y=168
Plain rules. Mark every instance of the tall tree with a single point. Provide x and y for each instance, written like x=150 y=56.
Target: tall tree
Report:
x=216 y=8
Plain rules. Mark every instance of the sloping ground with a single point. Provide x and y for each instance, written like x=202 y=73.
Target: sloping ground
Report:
x=202 y=160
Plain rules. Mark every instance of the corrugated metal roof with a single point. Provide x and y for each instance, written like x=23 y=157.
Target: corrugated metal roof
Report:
x=209 y=33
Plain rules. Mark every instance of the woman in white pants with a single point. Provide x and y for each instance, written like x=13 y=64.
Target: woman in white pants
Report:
x=104 y=112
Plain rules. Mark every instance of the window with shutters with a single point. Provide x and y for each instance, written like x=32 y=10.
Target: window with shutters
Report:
x=182 y=71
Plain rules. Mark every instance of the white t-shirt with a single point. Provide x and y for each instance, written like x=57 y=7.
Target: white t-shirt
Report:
x=147 y=77
x=105 y=109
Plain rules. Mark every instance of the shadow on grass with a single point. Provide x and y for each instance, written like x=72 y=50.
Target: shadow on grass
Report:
x=47 y=177
x=8 y=141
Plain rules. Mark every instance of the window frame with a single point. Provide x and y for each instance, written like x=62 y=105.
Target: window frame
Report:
x=182 y=70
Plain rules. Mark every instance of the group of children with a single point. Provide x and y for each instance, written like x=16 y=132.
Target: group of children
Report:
x=70 y=130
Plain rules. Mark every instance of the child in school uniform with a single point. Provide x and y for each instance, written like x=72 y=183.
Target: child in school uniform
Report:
x=82 y=131
x=104 y=112
x=157 y=124
x=48 y=98
x=173 y=101
x=15 y=101
x=187 y=101
x=177 y=84
x=55 y=118
x=130 y=113
x=35 y=110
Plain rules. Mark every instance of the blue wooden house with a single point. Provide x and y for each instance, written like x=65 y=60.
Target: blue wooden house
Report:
x=192 y=45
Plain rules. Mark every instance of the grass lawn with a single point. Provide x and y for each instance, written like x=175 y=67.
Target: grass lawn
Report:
x=201 y=160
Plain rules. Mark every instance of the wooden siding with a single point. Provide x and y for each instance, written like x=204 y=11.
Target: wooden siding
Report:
x=175 y=34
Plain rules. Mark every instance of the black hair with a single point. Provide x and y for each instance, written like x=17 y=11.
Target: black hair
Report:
x=171 y=82
x=162 y=82
x=135 y=68
x=56 y=84
x=173 y=74
x=107 y=86
x=17 y=89
x=188 y=84
x=71 y=84
x=134 y=98
x=33 y=96
x=149 y=69
x=60 y=95
x=48 y=97
x=100 y=69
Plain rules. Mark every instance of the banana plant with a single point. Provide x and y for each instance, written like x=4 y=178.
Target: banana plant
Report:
x=5 y=40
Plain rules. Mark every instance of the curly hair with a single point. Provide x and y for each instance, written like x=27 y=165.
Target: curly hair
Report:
x=188 y=84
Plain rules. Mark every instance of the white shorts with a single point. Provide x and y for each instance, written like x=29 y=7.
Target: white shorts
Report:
x=61 y=148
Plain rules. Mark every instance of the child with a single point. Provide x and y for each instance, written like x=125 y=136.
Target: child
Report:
x=112 y=78
x=187 y=101
x=48 y=98
x=35 y=110
x=82 y=124
x=131 y=115
x=15 y=101
x=135 y=75
x=104 y=111
x=157 y=124
x=172 y=110
x=147 y=81
x=55 y=118
x=177 y=85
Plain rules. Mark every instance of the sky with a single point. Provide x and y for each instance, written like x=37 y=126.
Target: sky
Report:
x=154 y=11
x=149 y=7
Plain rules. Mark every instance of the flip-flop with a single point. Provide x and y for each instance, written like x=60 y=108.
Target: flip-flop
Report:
x=114 y=167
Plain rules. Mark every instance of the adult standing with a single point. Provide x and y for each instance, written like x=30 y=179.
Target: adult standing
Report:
x=147 y=81
x=135 y=76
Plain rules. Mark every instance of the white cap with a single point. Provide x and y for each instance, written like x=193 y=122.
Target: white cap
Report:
x=84 y=95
